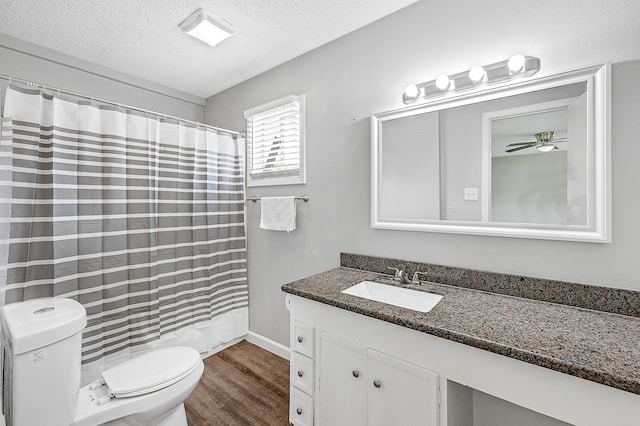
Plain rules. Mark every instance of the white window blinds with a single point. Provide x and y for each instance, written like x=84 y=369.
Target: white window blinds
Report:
x=275 y=136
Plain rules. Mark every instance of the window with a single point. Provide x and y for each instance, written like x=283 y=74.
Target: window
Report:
x=275 y=142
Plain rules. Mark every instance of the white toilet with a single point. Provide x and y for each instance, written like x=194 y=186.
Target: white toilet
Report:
x=41 y=348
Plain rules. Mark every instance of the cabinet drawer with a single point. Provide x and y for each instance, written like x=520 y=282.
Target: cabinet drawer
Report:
x=302 y=372
x=301 y=411
x=302 y=338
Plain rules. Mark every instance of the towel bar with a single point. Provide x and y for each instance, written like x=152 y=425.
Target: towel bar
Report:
x=304 y=198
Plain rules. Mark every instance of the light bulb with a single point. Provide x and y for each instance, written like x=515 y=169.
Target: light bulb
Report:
x=545 y=147
x=516 y=63
x=442 y=82
x=476 y=74
x=412 y=91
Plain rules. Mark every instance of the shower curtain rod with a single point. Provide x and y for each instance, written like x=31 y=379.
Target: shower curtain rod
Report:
x=9 y=78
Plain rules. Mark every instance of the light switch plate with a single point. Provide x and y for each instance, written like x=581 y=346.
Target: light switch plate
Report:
x=471 y=194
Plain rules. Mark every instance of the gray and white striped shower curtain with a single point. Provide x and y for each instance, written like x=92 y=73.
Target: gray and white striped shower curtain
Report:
x=138 y=217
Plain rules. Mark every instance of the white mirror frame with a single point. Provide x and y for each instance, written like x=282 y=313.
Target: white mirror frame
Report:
x=598 y=227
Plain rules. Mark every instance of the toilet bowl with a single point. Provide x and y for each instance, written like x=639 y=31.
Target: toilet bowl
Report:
x=41 y=345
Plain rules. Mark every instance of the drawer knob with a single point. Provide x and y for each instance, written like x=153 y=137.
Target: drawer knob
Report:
x=355 y=373
x=300 y=339
x=300 y=373
x=377 y=384
x=299 y=411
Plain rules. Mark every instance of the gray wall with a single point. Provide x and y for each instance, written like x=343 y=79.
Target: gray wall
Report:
x=530 y=188
x=364 y=73
x=491 y=411
x=37 y=64
x=410 y=168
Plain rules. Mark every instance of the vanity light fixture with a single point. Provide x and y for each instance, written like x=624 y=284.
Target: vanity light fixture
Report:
x=443 y=82
x=412 y=91
x=516 y=63
x=207 y=28
x=517 y=66
x=477 y=74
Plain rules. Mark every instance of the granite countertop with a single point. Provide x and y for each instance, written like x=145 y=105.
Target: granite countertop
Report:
x=593 y=345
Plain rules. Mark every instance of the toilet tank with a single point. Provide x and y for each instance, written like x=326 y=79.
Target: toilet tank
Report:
x=41 y=349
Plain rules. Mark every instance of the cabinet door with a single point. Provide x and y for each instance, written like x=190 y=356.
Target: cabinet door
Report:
x=400 y=393
x=341 y=387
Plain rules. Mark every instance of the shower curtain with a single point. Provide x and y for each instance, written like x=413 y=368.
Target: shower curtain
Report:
x=138 y=217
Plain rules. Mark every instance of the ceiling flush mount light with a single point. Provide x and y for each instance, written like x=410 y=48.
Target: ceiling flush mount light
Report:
x=517 y=66
x=207 y=28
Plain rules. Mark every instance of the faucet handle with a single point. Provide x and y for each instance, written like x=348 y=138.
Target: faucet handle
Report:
x=397 y=273
x=416 y=278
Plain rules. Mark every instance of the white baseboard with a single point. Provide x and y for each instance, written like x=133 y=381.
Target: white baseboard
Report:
x=268 y=344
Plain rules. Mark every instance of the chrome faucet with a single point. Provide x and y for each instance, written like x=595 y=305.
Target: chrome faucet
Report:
x=401 y=276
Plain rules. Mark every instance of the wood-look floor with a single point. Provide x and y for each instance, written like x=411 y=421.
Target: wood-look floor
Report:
x=241 y=385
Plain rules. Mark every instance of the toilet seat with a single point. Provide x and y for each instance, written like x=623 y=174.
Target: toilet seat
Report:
x=96 y=404
x=151 y=372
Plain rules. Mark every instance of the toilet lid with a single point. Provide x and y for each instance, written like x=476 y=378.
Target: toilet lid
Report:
x=151 y=371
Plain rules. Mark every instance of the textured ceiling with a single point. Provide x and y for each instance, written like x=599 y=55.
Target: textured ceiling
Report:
x=142 y=38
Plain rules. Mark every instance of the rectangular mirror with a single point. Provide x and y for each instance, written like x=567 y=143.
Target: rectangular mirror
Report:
x=528 y=159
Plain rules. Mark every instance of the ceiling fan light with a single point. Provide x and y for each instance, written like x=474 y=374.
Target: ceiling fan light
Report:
x=546 y=147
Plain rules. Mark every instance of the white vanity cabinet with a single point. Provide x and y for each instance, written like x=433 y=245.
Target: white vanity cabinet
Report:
x=428 y=380
x=361 y=386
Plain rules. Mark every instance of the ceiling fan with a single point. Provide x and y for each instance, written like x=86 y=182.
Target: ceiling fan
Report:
x=545 y=142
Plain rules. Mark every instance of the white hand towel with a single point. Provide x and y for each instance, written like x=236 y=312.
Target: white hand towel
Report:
x=278 y=213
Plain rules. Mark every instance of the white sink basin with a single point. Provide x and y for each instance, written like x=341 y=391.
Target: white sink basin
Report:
x=420 y=301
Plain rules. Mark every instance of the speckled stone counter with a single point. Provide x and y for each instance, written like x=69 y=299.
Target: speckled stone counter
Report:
x=593 y=345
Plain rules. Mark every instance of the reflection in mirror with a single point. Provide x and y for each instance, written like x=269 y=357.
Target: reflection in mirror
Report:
x=417 y=161
x=527 y=160
x=538 y=168
x=529 y=186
